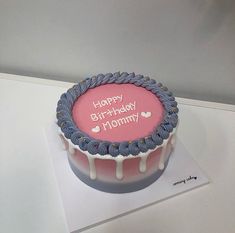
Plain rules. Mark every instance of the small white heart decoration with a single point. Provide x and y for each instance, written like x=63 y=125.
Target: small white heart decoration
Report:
x=96 y=129
x=146 y=114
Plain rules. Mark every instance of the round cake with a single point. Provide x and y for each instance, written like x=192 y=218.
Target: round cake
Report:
x=118 y=129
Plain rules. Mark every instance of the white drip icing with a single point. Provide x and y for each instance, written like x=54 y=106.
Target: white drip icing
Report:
x=168 y=152
x=71 y=149
x=64 y=144
x=119 y=168
x=162 y=156
x=143 y=163
x=92 y=167
x=119 y=159
x=173 y=140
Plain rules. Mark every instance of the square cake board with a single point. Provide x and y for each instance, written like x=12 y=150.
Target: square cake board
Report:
x=87 y=207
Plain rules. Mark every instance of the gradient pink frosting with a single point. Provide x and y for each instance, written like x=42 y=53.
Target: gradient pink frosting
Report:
x=145 y=112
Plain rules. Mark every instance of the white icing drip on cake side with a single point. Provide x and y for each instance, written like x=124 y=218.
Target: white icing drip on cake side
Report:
x=120 y=159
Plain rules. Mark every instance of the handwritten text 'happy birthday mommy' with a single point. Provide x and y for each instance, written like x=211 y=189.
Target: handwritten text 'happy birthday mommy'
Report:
x=114 y=111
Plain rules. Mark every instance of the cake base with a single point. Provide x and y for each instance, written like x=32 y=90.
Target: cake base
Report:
x=120 y=187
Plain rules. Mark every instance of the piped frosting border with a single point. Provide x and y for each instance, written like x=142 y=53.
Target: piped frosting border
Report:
x=125 y=148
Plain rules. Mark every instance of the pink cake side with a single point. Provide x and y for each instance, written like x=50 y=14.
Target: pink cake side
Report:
x=106 y=168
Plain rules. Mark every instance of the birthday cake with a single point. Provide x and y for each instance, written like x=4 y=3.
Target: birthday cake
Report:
x=118 y=129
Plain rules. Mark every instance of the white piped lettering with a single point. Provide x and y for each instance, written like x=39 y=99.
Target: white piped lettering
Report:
x=107 y=124
x=94 y=117
x=113 y=111
x=121 y=121
x=107 y=101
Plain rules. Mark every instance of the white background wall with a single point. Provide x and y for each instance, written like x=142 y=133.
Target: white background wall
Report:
x=189 y=45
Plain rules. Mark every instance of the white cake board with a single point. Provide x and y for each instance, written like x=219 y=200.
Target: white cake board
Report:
x=86 y=207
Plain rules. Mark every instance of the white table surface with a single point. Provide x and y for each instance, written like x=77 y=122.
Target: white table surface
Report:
x=29 y=196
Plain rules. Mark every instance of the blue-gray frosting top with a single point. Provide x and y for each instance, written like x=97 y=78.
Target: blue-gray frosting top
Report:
x=125 y=148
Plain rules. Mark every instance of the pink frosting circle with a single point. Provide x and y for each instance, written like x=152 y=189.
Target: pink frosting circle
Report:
x=117 y=112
